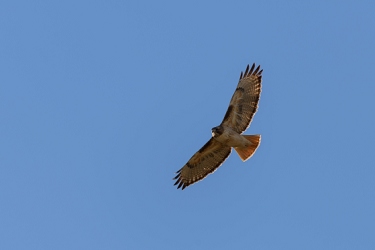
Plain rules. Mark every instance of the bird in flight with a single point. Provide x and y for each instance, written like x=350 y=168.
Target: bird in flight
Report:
x=227 y=135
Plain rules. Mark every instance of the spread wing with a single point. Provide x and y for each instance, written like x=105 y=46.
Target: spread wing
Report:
x=244 y=102
x=203 y=162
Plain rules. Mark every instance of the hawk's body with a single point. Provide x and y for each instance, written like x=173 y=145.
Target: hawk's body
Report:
x=229 y=137
x=242 y=107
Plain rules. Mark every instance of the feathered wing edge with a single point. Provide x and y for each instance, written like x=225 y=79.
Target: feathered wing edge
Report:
x=205 y=152
x=252 y=71
x=183 y=185
x=248 y=73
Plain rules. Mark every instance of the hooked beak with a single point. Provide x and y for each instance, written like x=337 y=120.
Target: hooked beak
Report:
x=213 y=131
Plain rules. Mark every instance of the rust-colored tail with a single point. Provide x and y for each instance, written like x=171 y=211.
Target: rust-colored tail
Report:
x=246 y=152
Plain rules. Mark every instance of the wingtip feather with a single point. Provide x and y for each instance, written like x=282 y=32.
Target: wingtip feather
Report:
x=256 y=70
x=247 y=70
x=252 y=68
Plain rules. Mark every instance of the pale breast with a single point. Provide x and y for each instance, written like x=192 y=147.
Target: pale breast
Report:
x=232 y=138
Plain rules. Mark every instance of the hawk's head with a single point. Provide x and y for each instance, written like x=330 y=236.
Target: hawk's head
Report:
x=216 y=131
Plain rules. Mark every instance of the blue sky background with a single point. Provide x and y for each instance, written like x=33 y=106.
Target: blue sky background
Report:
x=102 y=101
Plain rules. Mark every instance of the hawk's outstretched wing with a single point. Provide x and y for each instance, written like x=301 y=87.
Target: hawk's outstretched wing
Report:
x=203 y=162
x=244 y=102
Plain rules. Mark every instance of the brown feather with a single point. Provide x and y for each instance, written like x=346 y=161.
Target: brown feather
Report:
x=246 y=152
x=202 y=163
x=244 y=103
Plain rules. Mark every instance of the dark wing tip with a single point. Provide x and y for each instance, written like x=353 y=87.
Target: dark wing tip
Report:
x=247 y=70
x=250 y=71
x=256 y=70
x=178 y=178
x=180 y=182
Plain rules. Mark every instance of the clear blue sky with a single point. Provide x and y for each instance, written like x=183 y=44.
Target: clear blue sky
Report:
x=101 y=102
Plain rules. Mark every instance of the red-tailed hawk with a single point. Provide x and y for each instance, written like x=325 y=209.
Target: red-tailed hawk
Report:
x=242 y=107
